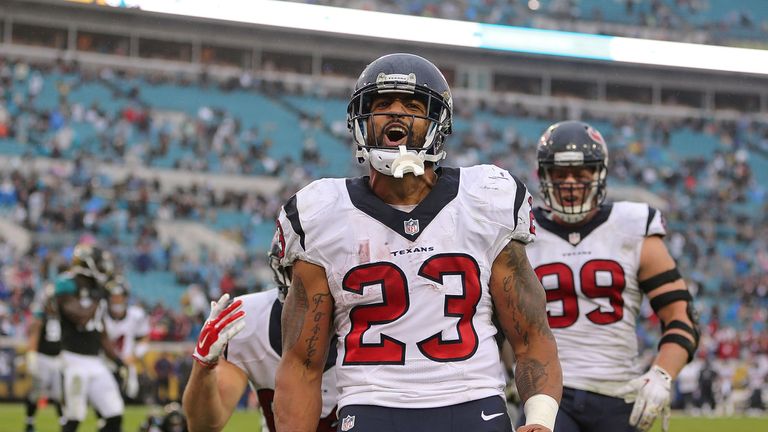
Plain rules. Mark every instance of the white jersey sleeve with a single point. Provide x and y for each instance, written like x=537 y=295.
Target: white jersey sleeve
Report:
x=298 y=234
x=503 y=200
x=640 y=220
x=656 y=224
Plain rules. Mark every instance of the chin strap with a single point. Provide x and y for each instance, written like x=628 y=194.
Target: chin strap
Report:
x=406 y=162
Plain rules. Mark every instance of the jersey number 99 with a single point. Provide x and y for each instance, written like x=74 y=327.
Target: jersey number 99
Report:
x=566 y=291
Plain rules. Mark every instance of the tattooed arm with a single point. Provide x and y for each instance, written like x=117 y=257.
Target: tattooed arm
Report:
x=307 y=322
x=519 y=301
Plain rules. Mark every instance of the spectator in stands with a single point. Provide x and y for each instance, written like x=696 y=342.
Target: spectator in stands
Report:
x=757 y=384
x=164 y=369
x=688 y=385
x=707 y=380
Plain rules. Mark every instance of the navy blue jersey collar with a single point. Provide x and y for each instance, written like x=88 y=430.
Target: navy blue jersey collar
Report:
x=409 y=225
x=567 y=232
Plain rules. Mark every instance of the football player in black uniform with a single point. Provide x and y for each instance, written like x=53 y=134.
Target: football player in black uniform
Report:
x=81 y=295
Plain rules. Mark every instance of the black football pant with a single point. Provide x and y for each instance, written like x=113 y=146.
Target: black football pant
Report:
x=483 y=415
x=583 y=411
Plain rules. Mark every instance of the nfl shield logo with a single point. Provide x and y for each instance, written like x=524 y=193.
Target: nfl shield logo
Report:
x=347 y=423
x=411 y=226
x=574 y=238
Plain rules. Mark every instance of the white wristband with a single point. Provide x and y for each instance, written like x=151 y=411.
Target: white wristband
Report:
x=541 y=409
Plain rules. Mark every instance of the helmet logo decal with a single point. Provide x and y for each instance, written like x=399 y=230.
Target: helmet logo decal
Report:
x=595 y=135
x=280 y=240
x=396 y=82
x=411 y=226
x=569 y=158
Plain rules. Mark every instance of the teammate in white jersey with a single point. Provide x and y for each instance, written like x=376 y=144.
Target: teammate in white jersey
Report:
x=406 y=268
x=250 y=357
x=127 y=327
x=596 y=260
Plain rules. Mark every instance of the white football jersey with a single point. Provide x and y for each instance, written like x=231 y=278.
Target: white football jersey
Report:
x=593 y=299
x=412 y=307
x=125 y=332
x=256 y=350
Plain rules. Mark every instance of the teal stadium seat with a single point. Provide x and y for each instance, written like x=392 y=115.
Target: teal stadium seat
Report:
x=157 y=287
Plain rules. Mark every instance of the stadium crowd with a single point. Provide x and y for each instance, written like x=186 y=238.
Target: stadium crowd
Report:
x=717 y=210
x=718 y=24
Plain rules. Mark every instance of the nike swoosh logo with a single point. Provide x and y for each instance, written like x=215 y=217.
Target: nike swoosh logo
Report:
x=489 y=417
x=201 y=344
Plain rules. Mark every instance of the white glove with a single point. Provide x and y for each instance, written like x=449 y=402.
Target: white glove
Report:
x=223 y=324
x=651 y=393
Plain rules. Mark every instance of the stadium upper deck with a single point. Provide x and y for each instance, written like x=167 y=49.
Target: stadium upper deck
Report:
x=740 y=23
x=140 y=40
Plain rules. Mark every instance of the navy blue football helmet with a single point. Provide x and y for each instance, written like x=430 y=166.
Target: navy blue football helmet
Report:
x=572 y=144
x=411 y=75
x=93 y=262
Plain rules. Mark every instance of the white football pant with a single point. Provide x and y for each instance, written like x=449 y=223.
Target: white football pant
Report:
x=87 y=379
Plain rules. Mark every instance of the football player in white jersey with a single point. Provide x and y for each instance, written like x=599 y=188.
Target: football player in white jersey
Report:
x=405 y=268
x=127 y=327
x=596 y=260
x=42 y=358
x=250 y=357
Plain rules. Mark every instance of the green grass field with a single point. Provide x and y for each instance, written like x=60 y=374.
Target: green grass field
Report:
x=12 y=420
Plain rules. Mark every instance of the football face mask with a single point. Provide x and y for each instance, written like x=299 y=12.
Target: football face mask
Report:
x=401 y=147
x=573 y=166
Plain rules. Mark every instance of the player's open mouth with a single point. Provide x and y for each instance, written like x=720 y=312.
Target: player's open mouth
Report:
x=571 y=200
x=395 y=135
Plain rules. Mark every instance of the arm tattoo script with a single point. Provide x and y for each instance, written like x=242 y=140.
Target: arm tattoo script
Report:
x=523 y=294
x=318 y=316
x=530 y=377
x=292 y=319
